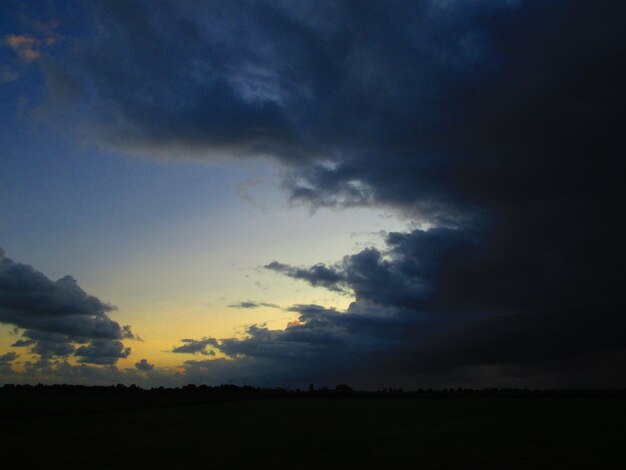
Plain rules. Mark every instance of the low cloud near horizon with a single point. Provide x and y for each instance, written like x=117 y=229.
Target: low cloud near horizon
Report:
x=57 y=319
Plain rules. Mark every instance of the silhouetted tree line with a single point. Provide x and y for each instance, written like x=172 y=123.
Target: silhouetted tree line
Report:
x=341 y=390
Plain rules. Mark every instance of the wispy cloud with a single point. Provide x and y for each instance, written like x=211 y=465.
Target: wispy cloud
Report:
x=249 y=304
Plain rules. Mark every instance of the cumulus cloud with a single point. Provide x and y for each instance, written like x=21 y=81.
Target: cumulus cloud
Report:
x=58 y=318
x=102 y=352
x=144 y=365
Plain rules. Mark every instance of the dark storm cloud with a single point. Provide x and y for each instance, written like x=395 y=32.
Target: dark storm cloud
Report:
x=334 y=84
x=434 y=271
x=212 y=87
x=443 y=299
x=144 y=365
x=193 y=346
x=249 y=304
x=406 y=275
x=445 y=108
x=57 y=316
x=500 y=123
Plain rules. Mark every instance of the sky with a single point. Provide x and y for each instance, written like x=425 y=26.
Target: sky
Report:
x=406 y=193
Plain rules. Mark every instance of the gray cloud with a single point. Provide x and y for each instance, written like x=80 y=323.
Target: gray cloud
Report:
x=101 y=351
x=8 y=357
x=6 y=363
x=144 y=365
x=58 y=318
x=318 y=275
x=57 y=372
x=192 y=346
x=249 y=304
x=324 y=344
x=410 y=273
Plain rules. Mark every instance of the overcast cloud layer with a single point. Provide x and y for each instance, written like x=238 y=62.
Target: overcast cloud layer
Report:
x=499 y=123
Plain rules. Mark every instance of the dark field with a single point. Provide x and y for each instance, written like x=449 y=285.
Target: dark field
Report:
x=117 y=430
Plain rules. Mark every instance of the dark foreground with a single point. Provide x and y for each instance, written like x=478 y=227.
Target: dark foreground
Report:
x=119 y=431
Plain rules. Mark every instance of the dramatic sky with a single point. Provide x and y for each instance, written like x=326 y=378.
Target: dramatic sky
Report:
x=385 y=193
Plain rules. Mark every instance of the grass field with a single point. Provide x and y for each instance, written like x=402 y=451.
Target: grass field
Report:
x=502 y=433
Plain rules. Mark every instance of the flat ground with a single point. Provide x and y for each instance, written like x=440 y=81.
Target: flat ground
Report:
x=480 y=433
